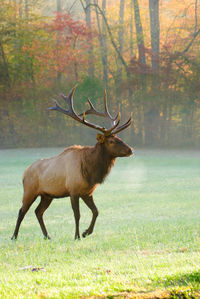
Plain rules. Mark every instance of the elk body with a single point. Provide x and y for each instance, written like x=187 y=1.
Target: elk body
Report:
x=76 y=172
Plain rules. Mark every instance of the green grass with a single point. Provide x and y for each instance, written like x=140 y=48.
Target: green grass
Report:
x=147 y=235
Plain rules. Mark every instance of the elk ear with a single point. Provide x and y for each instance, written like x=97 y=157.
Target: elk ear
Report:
x=100 y=138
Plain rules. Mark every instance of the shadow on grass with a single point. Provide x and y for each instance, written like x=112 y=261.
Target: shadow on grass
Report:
x=187 y=279
x=183 y=286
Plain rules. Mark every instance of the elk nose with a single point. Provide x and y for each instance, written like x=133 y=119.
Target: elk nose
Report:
x=131 y=151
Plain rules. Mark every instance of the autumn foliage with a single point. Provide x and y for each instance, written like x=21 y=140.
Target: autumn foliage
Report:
x=154 y=73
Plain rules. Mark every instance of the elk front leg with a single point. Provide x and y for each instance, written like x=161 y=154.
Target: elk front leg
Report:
x=76 y=210
x=91 y=205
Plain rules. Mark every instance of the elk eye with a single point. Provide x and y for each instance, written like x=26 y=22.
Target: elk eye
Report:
x=112 y=141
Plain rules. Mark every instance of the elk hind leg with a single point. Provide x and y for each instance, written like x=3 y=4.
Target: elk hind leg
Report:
x=39 y=211
x=76 y=210
x=27 y=202
x=91 y=205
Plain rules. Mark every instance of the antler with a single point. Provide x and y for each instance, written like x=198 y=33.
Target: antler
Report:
x=71 y=112
x=106 y=113
x=124 y=126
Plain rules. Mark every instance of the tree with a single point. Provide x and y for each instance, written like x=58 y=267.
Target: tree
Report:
x=139 y=33
x=87 y=10
x=131 y=28
x=155 y=33
x=120 y=37
x=159 y=73
x=59 y=11
x=103 y=41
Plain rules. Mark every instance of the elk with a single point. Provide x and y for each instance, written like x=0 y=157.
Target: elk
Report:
x=77 y=171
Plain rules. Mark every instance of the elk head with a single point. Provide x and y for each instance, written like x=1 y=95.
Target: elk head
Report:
x=114 y=146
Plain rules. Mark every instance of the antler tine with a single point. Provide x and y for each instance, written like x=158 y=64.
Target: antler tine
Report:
x=124 y=126
x=57 y=107
x=115 y=118
x=109 y=131
x=69 y=97
x=107 y=113
x=72 y=113
x=69 y=100
x=92 y=110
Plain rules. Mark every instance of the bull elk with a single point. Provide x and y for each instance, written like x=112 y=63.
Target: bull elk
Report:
x=75 y=172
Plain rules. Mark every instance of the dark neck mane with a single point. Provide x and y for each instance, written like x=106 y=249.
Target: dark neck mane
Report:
x=96 y=164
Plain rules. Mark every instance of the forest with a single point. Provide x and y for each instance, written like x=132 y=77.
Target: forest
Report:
x=146 y=54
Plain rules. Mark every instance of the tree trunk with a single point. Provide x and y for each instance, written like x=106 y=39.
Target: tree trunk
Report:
x=26 y=9
x=120 y=40
x=131 y=29
x=152 y=116
x=142 y=64
x=120 y=56
x=105 y=54
x=89 y=41
x=139 y=33
x=59 y=10
x=155 y=33
x=5 y=72
x=103 y=42
x=20 y=9
x=121 y=26
x=59 y=6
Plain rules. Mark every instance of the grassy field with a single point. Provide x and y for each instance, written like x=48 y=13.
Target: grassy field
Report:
x=146 y=241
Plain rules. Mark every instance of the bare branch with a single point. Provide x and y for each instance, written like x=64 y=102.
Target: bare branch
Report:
x=69 y=10
x=111 y=36
x=191 y=42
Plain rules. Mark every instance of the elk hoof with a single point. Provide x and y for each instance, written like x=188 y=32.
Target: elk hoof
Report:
x=14 y=238
x=47 y=237
x=86 y=233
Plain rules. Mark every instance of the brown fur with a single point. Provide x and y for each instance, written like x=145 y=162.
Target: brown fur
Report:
x=96 y=164
x=76 y=172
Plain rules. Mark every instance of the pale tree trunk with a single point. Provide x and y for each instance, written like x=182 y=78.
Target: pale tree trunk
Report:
x=120 y=39
x=59 y=6
x=153 y=118
x=15 y=7
x=20 y=9
x=59 y=10
x=89 y=41
x=142 y=61
x=196 y=16
x=155 y=33
x=120 y=56
x=26 y=9
x=139 y=33
x=131 y=29
x=103 y=42
x=105 y=54
x=121 y=26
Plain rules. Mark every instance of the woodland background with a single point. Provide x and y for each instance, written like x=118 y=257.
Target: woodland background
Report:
x=146 y=53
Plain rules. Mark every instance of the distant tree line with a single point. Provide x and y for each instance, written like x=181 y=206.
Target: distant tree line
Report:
x=145 y=53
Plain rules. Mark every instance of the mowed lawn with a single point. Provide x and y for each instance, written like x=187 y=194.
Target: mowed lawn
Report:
x=146 y=240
